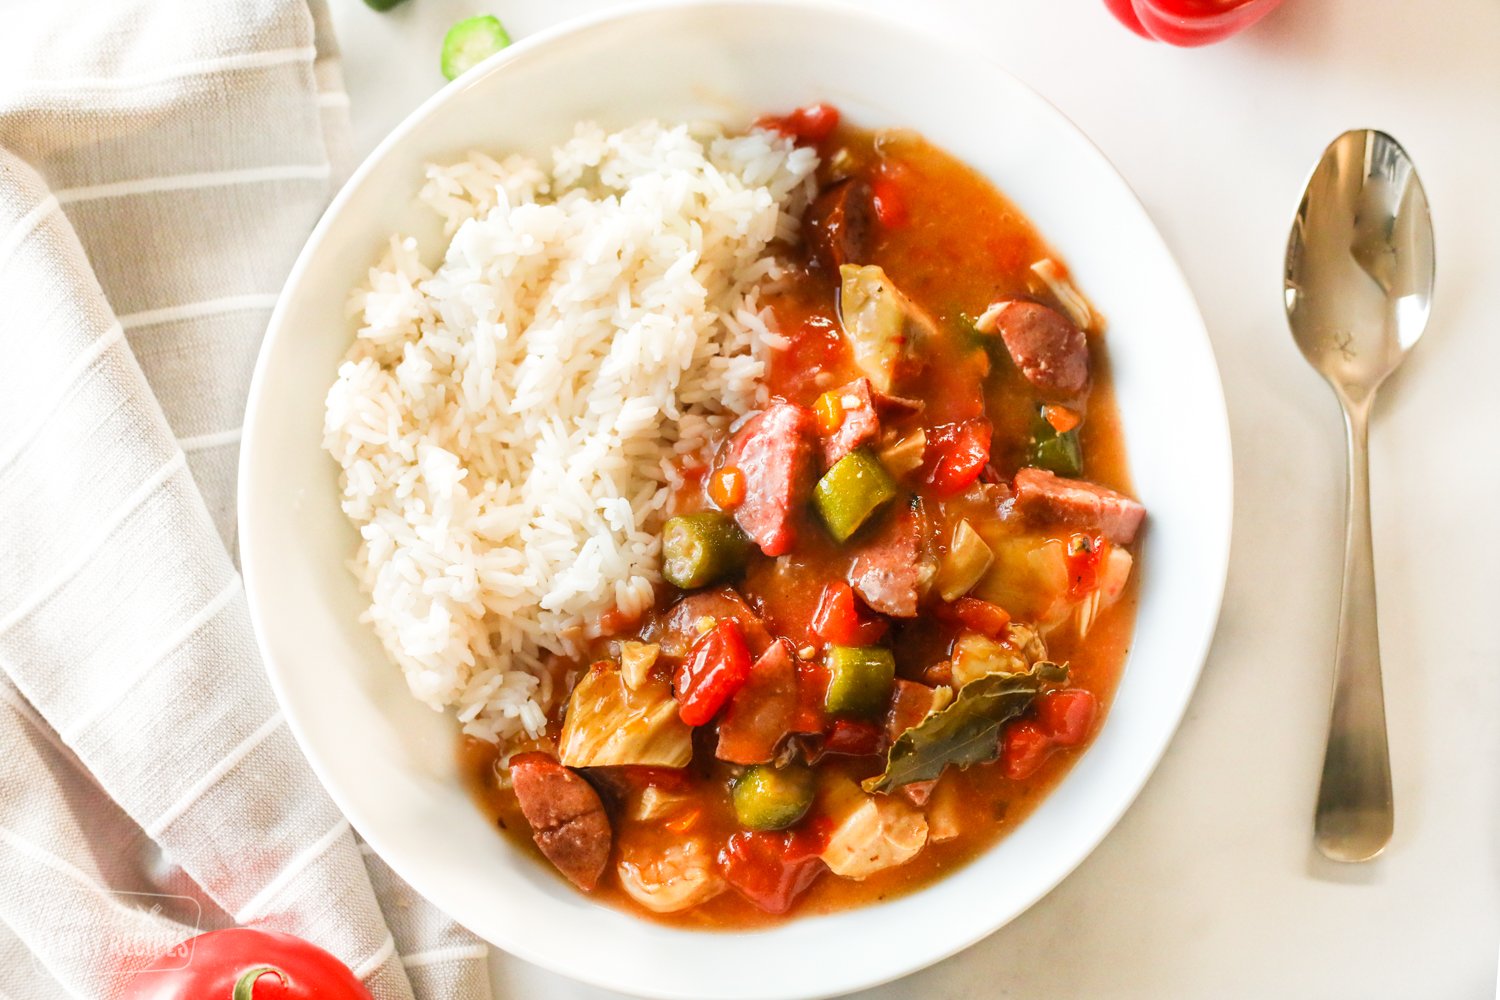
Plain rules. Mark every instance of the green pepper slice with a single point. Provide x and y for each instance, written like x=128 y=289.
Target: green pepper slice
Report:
x=1059 y=453
x=860 y=679
x=855 y=488
x=702 y=548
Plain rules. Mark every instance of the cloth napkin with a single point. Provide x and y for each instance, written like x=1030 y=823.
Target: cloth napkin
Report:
x=161 y=163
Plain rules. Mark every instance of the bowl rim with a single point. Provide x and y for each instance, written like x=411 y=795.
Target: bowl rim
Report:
x=931 y=36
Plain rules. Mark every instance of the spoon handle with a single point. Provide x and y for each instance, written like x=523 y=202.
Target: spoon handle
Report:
x=1355 y=814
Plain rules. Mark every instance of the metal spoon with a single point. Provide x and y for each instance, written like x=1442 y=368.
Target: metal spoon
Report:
x=1358 y=285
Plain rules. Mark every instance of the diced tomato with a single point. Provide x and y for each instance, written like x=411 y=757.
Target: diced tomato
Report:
x=957 y=453
x=840 y=620
x=726 y=487
x=1023 y=749
x=772 y=869
x=854 y=738
x=1085 y=554
x=717 y=666
x=1066 y=716
x=983 y=617
x=817 y=346
x=809 y=126
x=889 y=202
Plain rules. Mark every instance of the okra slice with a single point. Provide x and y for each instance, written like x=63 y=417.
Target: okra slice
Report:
x=850 y=492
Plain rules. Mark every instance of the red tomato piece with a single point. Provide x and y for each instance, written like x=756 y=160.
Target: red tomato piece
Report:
x=983 y=617
x=854 y=738
x=809 y=125
x=957 y=453
x=839 y=618
x=1023 y=749
x=241 y=961
x=772 y=869
x=1067 y=716
x=836 y=617
x=889 y=202
x=717 y=666
x=1085 y=554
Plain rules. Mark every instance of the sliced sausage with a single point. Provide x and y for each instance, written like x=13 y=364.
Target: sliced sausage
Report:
x=774 y=450
x=567 y=818
x=762 y=713
x=891 y=570
x=1049 y=499
x=860 y=424
x=840 y=222
x=679 y=629
x=910 y=704
x=1050 y=351
x=864 y=408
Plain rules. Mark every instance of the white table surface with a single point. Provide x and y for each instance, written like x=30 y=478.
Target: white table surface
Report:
x=1210 y=887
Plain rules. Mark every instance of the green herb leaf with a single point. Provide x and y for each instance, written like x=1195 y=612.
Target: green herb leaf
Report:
x=967 y=731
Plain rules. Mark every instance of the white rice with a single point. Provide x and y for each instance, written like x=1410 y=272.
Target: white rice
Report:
x=506 y=424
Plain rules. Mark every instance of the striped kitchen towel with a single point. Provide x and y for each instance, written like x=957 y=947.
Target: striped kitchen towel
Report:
x=161 y=162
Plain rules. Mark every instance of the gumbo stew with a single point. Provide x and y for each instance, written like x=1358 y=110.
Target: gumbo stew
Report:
x=898 y=597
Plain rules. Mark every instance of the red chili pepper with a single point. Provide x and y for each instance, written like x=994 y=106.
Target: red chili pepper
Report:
x=245 y=964
x=1023 y=749
x=772 y=869
x=809 y=126
x=983 y=617
x=956 y=454
x=1084 y=556
x=1066 y=716
x=838 y=619
x=717 y=666
x=1189 y=22
x=854 y=738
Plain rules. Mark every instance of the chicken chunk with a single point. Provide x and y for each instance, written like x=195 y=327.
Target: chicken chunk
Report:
x=871 y=833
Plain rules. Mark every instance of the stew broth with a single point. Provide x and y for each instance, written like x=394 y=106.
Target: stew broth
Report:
x=954 y=246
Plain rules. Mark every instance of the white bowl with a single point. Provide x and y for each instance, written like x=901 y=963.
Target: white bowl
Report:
x=389 y=762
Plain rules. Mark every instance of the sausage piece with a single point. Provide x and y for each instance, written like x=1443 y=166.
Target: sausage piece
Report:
x=864 y=407
x=762 y=713
x=1046 y=497
x=566 y=815
x=679 y=630
x=860 y=424
x=1050 y=351
x=774 y=450
x=890 y=570
x=839 y=224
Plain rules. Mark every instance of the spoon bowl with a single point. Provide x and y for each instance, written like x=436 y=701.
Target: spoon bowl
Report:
x=1358 y=286
x=1359 y=263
